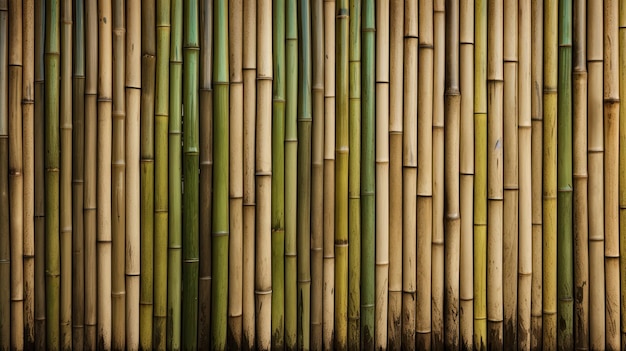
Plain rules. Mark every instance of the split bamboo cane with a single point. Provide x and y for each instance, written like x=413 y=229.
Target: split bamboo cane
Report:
x=133 y=175
x=611 y=174
x=16 y=178
x=5 y=232
x=595 y=157
x=466 y=169
x=396 y=69
x=480 y=176
x=622 y=170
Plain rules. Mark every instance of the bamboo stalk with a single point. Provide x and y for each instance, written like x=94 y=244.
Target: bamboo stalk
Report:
x=5 y=231
x=133 y=183
x=595 y=157
x=480 y=176
x=466 y=169
x=16 y=178
x=396 y=70
x=622 y=170
x=148 y=73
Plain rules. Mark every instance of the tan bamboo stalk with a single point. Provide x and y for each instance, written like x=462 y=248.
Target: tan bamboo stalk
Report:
x=595 y=158
x=133 y=182
x=424 y=190
x=28 y=152
x=452 y=221
x=317 y=176
x=249 y=127
x=16 y=178
x=89 y=196
x=5 y=232
x=235 y=262
x=524 y=272
x=438 y=145
x=580 y=175
x=537 y=174
x=611 y=173
x=118 y=169
x=382 y=172
x=328 y=299
x=495 y=87
x=263 y=281
x=622 y=165
x=396 y=83
x=466 y=169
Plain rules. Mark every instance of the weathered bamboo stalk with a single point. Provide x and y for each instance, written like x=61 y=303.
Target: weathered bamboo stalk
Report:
x=622 y=170
x=5 y=231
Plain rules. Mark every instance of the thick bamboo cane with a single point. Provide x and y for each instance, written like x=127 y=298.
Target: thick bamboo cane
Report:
x=317 y=174
x=480 y=176
x=622 y=170
x=396 y=83
x=595 y=157
x=133 y=183
x=611 y=174
x=466 y=169
x=16 y=176
x=452 y=221
x=5 y=232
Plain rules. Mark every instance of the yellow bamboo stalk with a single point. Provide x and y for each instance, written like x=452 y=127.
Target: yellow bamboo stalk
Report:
x=5 y=233
x=622 y=165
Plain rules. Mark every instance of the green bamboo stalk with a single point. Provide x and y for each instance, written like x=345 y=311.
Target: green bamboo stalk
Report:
x=354 y=176
x=565 y=261
x=174 y=257
x=219 y=245
x=148 y=73
x=51 y=110
x=5 y=252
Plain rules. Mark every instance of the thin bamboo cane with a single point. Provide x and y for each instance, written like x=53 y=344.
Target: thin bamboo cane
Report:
x=537 y=175
x=452 y=221
x=611 y=173
x=511 y=174
x=133 y=183
x=263 y=280
x=249 y=126
x=118 y=180
x=89 y=196
x=16 y=178
x=622 y=170
x=317 y=174
x=283 y=182
x=595 y=157
x=328 y=302
x=524 y=131
x=368 y=217
x=396 y=70
x=361 y=212
x=480 y=176
x=304 y=179
x=5 y=232
x=28 y=152
x=466 y=169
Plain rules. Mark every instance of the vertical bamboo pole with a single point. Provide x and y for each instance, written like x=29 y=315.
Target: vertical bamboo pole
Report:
x=133 y=183
x=16 y=178
x=396 y=69
x=5 y=232
x=595 y=158
x=466 y=169
x=622 y=170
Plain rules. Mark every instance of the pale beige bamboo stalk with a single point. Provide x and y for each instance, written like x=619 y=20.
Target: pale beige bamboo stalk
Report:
x=524 y=273
x=438 y=309
x=396 y=68
x=466 y=169
x=328 y=299
x=133 y=186
x=495 y=87
x=16 y=179
x=595 y=157
x=424 y=190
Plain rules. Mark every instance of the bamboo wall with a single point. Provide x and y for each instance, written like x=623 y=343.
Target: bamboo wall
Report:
x=325 y=174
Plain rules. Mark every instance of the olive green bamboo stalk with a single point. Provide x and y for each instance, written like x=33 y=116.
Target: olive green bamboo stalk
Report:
x=480 y=175
x=565 y=262
x=580 y=175
x=281 y=179
x=16 y=178
x=622 y=165
x=148 y=72
x=356 y=221
x=51 y=110
x=175 y=210
x=220 y=209
x=5 y=233
x=366 y=79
